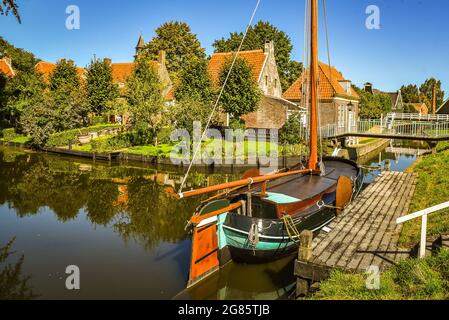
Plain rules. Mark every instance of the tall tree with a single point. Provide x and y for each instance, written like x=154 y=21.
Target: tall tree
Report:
x=145 y=99
x=426 y=90
x=23 y=90
x=242 y=94
x=21 y=59
x=100 y=86
x=257 y=36
x=410 y=93
x=180 y=44
x=7 y=6
x=69 y=96
x=194 y=81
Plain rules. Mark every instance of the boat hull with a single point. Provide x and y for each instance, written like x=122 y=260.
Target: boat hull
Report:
x=273 y=241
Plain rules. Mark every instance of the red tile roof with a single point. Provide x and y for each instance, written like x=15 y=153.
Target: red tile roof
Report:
x=255 y=58
x=47 y=68
x=120 y=72
x=329 y=85
x=6 y=68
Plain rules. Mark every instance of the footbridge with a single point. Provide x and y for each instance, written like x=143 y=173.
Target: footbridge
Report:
x=431 y=131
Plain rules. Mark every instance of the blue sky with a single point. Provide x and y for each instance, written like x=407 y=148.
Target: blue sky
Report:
x=411 y=45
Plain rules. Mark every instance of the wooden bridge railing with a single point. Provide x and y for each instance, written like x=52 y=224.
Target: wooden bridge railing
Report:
x=388 y=128
x=423 y=215
x=418 y=117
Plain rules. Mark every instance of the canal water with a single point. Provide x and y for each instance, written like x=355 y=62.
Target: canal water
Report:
x=116 y=224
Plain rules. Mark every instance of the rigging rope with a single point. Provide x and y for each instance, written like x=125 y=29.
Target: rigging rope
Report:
x=198 y=147
x=291 y=229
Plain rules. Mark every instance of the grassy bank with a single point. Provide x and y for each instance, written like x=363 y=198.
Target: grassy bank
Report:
x=409 y=280
x=116 y=144
x=432 y=189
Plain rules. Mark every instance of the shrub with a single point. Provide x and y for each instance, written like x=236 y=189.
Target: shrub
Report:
x=9 y=134
x=163 y=136
x=109 y=144
x=65 y=138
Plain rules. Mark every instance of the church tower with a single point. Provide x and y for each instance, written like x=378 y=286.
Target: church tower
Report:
x=140 y=45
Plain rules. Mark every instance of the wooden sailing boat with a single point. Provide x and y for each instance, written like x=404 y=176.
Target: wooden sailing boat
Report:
x=259 y=218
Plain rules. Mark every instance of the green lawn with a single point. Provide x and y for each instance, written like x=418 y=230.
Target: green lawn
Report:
x=432 y=189
x=164 y=150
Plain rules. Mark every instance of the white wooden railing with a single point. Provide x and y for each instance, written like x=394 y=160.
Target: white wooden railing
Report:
x=423 y=215
x=389 y=128
x=418 y=117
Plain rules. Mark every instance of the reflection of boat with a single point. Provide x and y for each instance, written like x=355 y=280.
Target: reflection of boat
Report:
x=271 y=281
x=261 y=217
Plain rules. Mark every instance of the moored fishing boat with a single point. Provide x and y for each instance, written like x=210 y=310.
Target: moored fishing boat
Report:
x=260 y=218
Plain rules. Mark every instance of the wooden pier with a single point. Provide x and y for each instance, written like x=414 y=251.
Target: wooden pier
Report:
x=364 y=235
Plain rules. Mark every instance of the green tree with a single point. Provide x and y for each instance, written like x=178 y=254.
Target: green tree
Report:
x=194 y=81
x=242 y=94
x=289 y=70
x=39 y=121
x=292 y=130
x=198 y=110
x=180 y=44
x=145 y=99
x=410 y=93
x=7 y=6
x=25 y=89
x=372 y=106
x=100 y=86
x=69 y=96
x=21 y=60
x=426 y=90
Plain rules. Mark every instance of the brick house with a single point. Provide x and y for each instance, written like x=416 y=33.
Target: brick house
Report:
x=273 y=109
x=6 y=67
x=339 y=103
x=122 y=71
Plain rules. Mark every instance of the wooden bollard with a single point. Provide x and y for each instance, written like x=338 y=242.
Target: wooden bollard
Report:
x=305 y=247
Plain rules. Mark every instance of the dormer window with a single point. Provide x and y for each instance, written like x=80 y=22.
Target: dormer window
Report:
x=346 y=84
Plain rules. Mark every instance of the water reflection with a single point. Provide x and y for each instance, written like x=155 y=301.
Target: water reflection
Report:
x=126 y=235
x=129 y=199
x=13 y=285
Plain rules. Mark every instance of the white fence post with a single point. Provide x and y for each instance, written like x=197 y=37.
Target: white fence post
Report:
x=422 y=247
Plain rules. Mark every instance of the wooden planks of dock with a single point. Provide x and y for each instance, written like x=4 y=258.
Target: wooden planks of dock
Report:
x=366 y=234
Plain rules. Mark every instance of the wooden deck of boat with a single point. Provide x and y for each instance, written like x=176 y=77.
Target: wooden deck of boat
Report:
x=366 y=234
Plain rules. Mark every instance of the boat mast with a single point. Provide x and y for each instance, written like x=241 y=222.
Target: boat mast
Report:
x=313 y=157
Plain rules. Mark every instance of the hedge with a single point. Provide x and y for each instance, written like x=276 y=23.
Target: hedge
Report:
x=9 y=134
x=65 y=138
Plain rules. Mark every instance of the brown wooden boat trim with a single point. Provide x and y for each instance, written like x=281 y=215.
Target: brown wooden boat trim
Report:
x=292 y=208
x=238 y=183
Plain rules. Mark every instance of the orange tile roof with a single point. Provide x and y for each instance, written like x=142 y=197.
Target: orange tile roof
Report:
x=329 y=85
x=6 y=68
x=255 y=58
x=122 y=71
x=47 y=68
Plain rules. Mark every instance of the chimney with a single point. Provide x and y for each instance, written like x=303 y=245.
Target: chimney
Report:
x=108 y=61
x=369 y=87
x=269 y=47
x=162 y=57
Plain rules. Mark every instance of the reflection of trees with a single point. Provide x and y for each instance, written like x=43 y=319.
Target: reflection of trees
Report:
x=13 y=286
x=132 y=200
x=152 y=215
